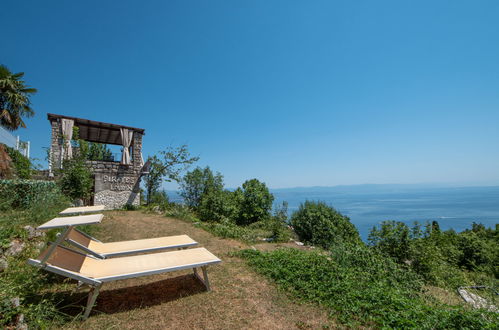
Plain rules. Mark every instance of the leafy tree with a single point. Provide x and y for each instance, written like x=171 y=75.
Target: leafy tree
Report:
x=199 y=182
x=319 y=224
x=175 y=161
x=219 y=206
x=14 y=99
x=95 y=151
x=256 y=202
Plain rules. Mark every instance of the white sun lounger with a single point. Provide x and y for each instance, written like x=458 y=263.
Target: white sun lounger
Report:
x=102 y=250
x=82 y=209
x=95 y=272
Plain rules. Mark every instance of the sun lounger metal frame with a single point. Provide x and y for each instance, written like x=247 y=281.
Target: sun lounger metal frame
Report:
x=96 y=283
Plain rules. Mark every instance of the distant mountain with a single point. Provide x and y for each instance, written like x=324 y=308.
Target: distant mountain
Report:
x=374 y=188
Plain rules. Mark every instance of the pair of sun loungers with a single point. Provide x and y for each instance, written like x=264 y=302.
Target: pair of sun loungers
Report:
x=97 y=265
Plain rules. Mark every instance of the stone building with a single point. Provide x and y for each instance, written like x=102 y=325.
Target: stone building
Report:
x=116 y=182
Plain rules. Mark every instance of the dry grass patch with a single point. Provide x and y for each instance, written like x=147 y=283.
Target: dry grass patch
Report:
x=240 y=298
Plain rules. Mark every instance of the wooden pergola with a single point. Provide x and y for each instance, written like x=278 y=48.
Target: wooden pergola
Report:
x=96 y=131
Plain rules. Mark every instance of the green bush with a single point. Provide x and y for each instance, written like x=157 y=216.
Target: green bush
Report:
x=319 y=224
x=25 y=193
x=22 y=164
x=76 y=179
x=360 y=286
x=219 y=206
x=278 y=225
x=446 y=259
x=160 y=199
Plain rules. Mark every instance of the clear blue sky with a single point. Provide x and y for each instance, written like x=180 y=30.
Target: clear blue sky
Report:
x=294 y=93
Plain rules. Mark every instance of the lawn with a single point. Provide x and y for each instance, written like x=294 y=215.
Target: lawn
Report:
x=240 y=298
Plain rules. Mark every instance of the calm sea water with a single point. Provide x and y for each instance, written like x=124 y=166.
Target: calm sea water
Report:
x=367 y=206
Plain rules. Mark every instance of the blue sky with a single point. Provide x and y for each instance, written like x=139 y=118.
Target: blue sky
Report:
x=294 y=93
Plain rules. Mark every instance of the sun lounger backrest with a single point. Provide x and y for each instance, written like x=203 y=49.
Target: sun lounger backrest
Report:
x=78 y=237
x=64 y=258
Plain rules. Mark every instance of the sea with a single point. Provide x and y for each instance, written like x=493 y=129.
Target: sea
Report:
x=368 y=205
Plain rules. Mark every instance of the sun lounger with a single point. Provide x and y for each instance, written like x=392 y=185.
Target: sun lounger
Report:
x=102 y=250
x=82 y=210
x=113 y=249
x=95 y=272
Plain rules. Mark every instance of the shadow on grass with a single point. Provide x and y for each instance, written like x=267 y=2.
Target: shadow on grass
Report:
x=133 y=297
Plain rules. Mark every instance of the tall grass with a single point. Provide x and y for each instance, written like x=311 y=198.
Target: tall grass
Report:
x=24 y=290
x=361 y=287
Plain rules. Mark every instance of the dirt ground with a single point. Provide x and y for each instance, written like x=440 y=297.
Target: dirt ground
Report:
x=240 y=298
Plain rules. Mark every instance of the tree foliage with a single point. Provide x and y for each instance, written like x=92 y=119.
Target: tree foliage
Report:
x=22 y=165
x=219 y=206
x=256 y=202
x=76 y=180
x=443 y=258
x=175 y=160
x=319 y=224
x=15 y=100
x=199 y=182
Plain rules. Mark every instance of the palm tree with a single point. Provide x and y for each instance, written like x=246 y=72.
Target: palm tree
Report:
x=14 y=99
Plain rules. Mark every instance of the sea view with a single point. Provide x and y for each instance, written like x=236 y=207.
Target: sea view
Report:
x=368 y=205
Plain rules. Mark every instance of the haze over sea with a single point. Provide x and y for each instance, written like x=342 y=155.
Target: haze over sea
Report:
x=369 y=205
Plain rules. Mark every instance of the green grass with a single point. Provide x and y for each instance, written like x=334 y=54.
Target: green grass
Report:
x=362 y=287
x=38 y=305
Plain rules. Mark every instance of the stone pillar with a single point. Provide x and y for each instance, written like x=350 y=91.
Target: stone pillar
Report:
x=55 y=147
x=137 y=150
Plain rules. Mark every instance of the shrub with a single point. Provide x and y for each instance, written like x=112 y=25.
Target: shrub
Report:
x=446 y=259
x=278 y=224
x=22 y=164
x=76 y=179
x=319 y=224
x=392 y=239
x=219 y=206
x=24 y=194
x=256 y=202
x=160 y=198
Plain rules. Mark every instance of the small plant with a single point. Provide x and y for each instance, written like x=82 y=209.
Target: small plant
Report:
x=131 y=207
